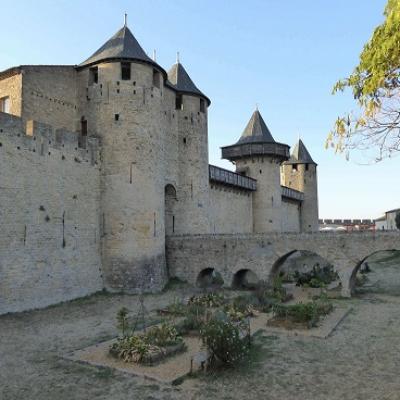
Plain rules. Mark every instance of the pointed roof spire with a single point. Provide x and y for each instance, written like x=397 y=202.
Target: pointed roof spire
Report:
x=125 y=19
x=180 y=80
x=256 y=130
x=122 y=45
x=300 y=154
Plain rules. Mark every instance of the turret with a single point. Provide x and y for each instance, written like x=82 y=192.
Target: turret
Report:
x=121 y=92
x=257 y=155
x=193 y=191
x=300 y=173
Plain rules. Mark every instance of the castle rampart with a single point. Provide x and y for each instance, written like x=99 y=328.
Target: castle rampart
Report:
x=50 y=230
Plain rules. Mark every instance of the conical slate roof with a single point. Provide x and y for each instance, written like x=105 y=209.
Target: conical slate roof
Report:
x=256 y=131
x=181 y=81
x=122 y=45
x=300 y=154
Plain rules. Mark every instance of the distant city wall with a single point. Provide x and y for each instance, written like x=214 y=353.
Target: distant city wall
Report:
x=49 y=218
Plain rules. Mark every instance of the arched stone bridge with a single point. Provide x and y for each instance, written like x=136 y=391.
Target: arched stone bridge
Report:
x=264 y=254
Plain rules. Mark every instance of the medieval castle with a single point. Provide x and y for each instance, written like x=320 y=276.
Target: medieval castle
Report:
x=100 y=161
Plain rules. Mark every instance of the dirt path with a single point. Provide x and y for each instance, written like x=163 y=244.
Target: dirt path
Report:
x=361 y=360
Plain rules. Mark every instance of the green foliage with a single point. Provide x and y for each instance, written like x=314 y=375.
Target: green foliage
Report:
x=176 y=308
x=162 y=335
x=209 y=300
x=397 y=220
x=375 y=85
x=136 y=348
x=224 y=340
x=131 y=348
x=308 y=313
x=316 y=278
x=122 y=320
x=268 y=295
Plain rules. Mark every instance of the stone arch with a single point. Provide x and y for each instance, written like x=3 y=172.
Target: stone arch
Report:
x=209 y=277
x=245 y=279
x=356 y=268
x=170 y=205
x=315 y=259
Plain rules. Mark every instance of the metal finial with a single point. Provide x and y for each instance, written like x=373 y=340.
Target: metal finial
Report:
x=298 y=136
x=256 y=106
x=154 y=55
x=177 y=57
x=125 y=19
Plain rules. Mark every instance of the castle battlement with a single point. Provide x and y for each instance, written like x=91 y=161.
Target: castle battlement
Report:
x=44 y=140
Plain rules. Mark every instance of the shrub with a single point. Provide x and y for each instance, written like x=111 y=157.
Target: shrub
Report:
x=317 y=277
x=131 y=348
x=208 y=300
x=138 y=348
x=224 y=340
x=308 y=313
x=162 y=335
x=268 y=295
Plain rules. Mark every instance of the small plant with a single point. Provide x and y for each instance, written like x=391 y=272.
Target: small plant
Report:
x=224 y=340
x=308 y=313
x=208 y=300
x=132 y=348
x=163 y=335
x=122 y=320
x=268 y=295
x=147 y=347
x=177 y=308
x=316 y=278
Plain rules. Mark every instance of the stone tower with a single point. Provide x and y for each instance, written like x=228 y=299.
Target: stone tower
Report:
x=257 y=155
x=193 y=192
x=121 y=92
x=300 y=173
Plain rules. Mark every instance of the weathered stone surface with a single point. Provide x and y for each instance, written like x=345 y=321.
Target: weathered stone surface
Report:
x=264 y=254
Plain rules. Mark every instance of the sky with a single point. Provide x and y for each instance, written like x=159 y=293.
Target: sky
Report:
x=284 y=56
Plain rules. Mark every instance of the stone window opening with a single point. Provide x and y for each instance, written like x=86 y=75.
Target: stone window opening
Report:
x=156 y=78
x=93 y=75
x=83 y=126
x=307 y=166
x=202 y=106
x=294 y=167
x=116 y=117
x=5 y=104
x=179 y=102
x=184 y=140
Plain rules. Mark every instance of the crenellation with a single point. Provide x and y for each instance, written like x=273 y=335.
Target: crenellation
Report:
x=101 y=162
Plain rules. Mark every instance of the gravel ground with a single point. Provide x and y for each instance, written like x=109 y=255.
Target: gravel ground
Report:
x=360 y=360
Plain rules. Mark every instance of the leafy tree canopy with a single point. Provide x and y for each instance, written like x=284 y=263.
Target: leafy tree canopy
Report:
x=375 y=84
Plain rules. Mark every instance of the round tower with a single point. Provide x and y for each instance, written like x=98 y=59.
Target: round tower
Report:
x=121 y=92
x=257 y=155
x=192 y=214
x=300 y=173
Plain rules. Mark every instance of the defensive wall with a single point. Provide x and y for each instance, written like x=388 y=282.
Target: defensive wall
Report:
x=50 y=228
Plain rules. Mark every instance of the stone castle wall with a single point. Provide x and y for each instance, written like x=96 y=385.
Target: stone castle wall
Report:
x=230 y=209
x=49 y=96
x=12 y=87
x=290 y=212
x=50 y=235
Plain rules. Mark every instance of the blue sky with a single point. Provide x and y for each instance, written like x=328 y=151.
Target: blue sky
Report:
x=283 y=55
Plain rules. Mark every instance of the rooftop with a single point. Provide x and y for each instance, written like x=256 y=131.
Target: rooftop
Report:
x=123 y=45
